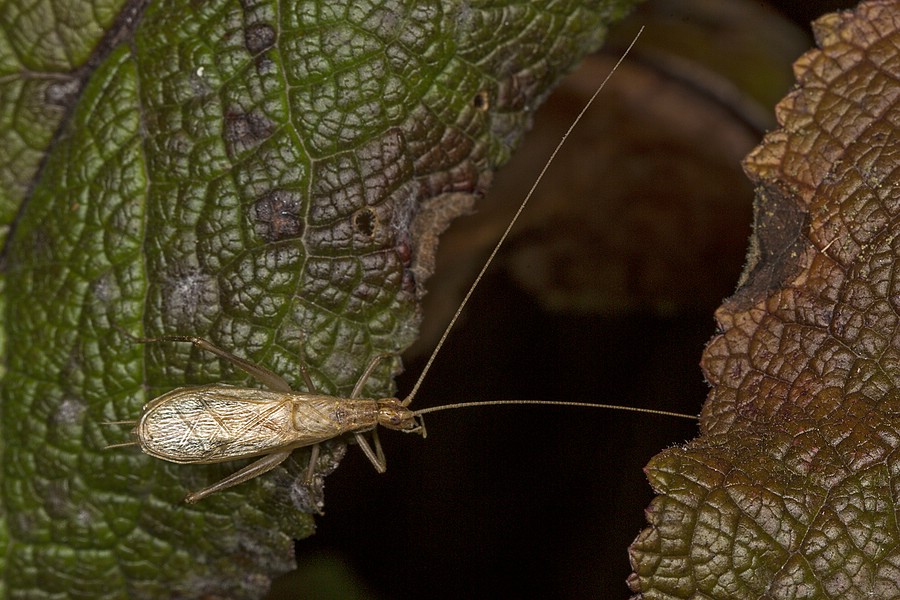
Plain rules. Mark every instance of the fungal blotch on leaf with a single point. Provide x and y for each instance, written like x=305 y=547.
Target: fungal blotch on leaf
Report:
x=277 y=215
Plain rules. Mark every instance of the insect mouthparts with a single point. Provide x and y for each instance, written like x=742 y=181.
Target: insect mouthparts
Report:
x=393 y=415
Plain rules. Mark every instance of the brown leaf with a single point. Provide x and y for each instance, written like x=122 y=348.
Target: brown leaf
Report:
x=791 y=490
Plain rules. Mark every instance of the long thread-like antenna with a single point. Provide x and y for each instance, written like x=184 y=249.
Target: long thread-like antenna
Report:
x=509 y=227
x=651 y=411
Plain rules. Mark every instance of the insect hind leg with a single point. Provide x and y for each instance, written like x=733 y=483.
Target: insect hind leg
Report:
x=311 y=468
x=268 y=378
x=120 y=445
x=254 y=469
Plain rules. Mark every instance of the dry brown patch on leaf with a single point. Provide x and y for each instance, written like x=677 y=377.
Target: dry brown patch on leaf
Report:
x=792 y=490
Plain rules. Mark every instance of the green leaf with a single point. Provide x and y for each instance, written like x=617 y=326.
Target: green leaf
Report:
x=44 y=48
x=265 y=175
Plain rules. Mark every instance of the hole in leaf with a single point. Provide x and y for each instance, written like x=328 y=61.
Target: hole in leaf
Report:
x=482 y=101
x=365 y=222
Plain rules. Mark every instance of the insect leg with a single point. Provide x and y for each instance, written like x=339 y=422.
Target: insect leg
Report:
x=368 y=372
x=314 y=453
x=254 y=469
x=305 y=373
x=376 y=457
x=263 y=375
x=121 y=445
x=311 y=469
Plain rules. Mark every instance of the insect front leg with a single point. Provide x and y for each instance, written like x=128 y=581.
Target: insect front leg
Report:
x=368 y=372
x=254 y=469
x=376 y=457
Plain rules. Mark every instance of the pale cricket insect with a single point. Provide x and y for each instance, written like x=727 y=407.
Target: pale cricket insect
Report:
x=219 y=423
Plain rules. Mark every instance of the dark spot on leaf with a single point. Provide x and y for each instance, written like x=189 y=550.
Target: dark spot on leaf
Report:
x=245 y=130
x=63 y=423
x=41 y=244
x=104 y=289
x=259 y=37
x=68 y=413
x=278 y=215
x=482 y=101
x=365 y=221
x=265 y=65
x=409 y=282
x=62 y=93
x=404 y=252
x=57 y=499
x=778 y=244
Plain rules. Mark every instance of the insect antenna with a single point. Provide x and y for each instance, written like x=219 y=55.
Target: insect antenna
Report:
x=490 y=259
x=120 y=445
x=651 y=411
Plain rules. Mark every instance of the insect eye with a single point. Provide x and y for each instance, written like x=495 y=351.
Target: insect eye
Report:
x=404 y=423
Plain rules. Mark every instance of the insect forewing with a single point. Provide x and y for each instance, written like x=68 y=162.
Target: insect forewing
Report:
x=217 y=423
